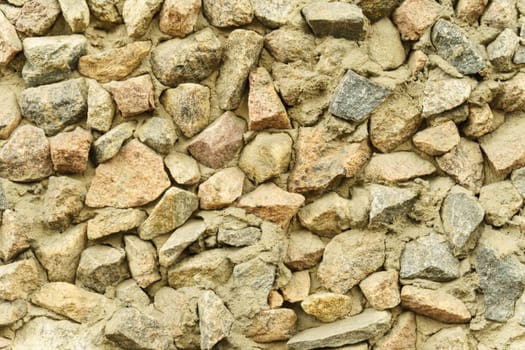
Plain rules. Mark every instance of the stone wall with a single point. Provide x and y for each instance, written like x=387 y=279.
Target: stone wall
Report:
x=262 y=174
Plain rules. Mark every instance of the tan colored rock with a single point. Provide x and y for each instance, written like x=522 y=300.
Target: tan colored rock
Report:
x=19 y=279
x=13 y=235
x=448 y=339
x=297 y=288
x=470 y=10
x=142 y=260
x=500 y=14
x=271 y=203
x=10 y=312
x=397 y=167
x=434 y=304
x=385 y=45
x=178 y=18
x=219 y=142
x=183 y=169
x=179 y=240
x=9 y=42
x=101 y=266
x=305 y=250
x=101 y=108
x=437 y=140
x=133 y=96
x=327 y=307
x=110 y=221
x=228 y=13
x=273 y=325
x=215 y=320
x=289 y=45
x=413 y=17
x=9 y=112
x=511 y=96
x=443 y=93
x=221 y=189
x=482 y=120
x=137 y=15
x=266 y=110
x=70 y=151
x=275 y=299
x=501 y=201
x=37 y=17
x=114 y=64
x=106 y=10
x=381 y=289
x=402 y=336
x=134 y=177
x=108 y=145
x=63 y=201
x=76 y=14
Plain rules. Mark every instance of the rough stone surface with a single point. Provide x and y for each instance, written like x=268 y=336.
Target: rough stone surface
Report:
x=437 y=140
x=133 y=96
x=377 y=9
x=272 y=13
x=108 y=145
x=482 y=120
x=13 y=235
x=138 y=14
x=500 y=200
x=397 y=167
x=221 y=189
x=37 y=16
x=402 y=336
x=100 y=107
x=273 y=325
x=179 y=240
x=413 y=17
x=142 y=260
x=101 y=266
x=222 y=13
x=239 y=238
x=19 y=279
x=327 y=307
x=76 y=14
x=501 y=50
x=297 y=288
x=387 y=203
x=518 y=180
x=70 y=151
x=46 y=332
x=63 y=200
x=158 y=133
x=106 y=10
x=450 y=338
x=470 y=10
x=9 y=40
x=9 y=113
x=178 y=18
x=183 y=169
x=381 y=289
x=12 y=311
x=385 y=46
x=305 y=250
x=289 y=45
x=500 y=14
x=510 y=97
x=215 y=320
x=110 y=221
x=443 y=94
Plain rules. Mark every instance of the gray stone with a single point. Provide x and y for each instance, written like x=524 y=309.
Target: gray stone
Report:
x=138 y=14
x=10 y=312
x=55 y=106
x=501 y=50
x=110 y=221
x=9 y=113
x=183 y=169
x=352 y=330
x=228 y=13
x=101 y=266
x=63 y=200
x=239 y=238
x=338 y=19
x=429 y=257
x=453 y=45
x=106 y=10
x=19 y=279
x=215 y=320
x=500 y=200
x=76 y=14
x=305 y=250
x=108 y=145
x=356 y=97
x=37 y=17
x=387 y=203
x=142 y=260
x=272 y=13
x=179 y=240
x=101 y=108
x=191 y=59
x=158 y=133
x=14 y=233
x=443 y=94
x=290 y=45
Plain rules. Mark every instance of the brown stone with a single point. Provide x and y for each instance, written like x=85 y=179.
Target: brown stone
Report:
x=219 y=142
x=511 y=96
x=178 y=18
x=266 y=110
x=397 y=167
x=297 y=288
x=470 y=10
x=19 y=279
x=114 y=64
x=133 y=96
x=63 y=200
x=482 y=120
x=221 y=189
x=13 y=235
x=70 y=151
x=134 y=177
x=434 y=304
x=305 y=250
x=37 y=17
x=272 y=203
x=327 y=307
x=437 y=140
x=10 y=44
x=402 y=336
x=273 y=325
x=381 y=289
x=110 y=221
x=25 y=157
x=9 y=111
x=413 y=17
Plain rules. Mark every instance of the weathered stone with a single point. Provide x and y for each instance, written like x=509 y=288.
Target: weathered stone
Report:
x=500 y=200
x=470 y=10
x=501 y=14
x=10 y=312
x=71 y=301
x=397 y=167
x=101 y=108
x=482 y=120
x=434 y=304
x=228 y=13
x=134 y=177
x=70 y=151
x=132 y=329
x=337 y=19
x=191 y=59
x=449 y=338
x=266 y=157
x=108 y=145
x=76 y=14
x=106 y=10
x=215 y=320
x=305 y=250
x=429 y=257
x=59 y=254
x=511 y=96
x=387 y=203
x=178 y=18
x=413 y=17
x=241 y=54
x=133 y=96
x=273 y=325
x=402 y=335
x=381 y=289
x=142 y=260
x=453 y=45
x=351 y=330
x=19 y=279
x=114 y=64
x=275 y=299
x=55 y=106
x=219 y=142
x=13 y=235
x=239 y=238
x=63 y=200
x=158 y=133
x=437 y=140
x=464 y=163
x=349 y=258
x=271 y=203
x=101 y=266
x=11 y=44
x=189 y=105
x=9 y=112
x=110 y=221
x=183 y=169
x=130 y=293
x=377 y=9
x=356 y=97
x=43 y=332
x=221 y=189
x=173 y=209
x=298 y=288
x=327 y=307
x=25 y=157
x=501 y=50
x=272 y=13
x=385 y=45
x=289 y=45
x=443 y=94
x=138 y=14
x=518 y=180
x=37 y=17
x=179 y=240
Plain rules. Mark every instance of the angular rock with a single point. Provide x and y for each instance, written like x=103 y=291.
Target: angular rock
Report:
x=413 y=17
x=132 y=329
x=356 y=97
x=437 y=140
x=114 y=64
x=397 y=167
x=337 y=19
x=106 y=10
x=138 y=14
x=101 y=266
x=501 y=50
x=191 y=59
x=219 y=142
x=179 y=240
x=221 y=189
x=55 y=106
x=100 y=107
x=11 y=44
x=443 y=94
x=142 y=260
x=44 y=332
x=385 y=46
x=273 y=325
x=70 y=151
x=377 y=9
x=130 y=293
x=19 y=279
x=297 y=288
x=381 y=289
x=108 y=145
x=387 y=203
x=183 y=169
x=9 y=112
x=37 y=17
x=25 y=157
x=289 y=45
x=351 y=330
x=349 y=258
x=158 y=133
x=429 y=257
x=228 y=13
x=464 y=163
x=215 y=320
x=63 y=201
x=178 y=18
x=271 y=203
x=110 y=221
x=133 y=96
x=454 y=46
x=241 y=54
x=500 y=201
x=272 y=13
x=305 y=250
x=402 y=335
x=10 y=312
x=76 y=14
x=470 y=10
x=13 y=235
x=134 y=177
x=239 y=238
x=438 y=305
x=501 y=14
x=189 y=105
x=482 y=120
x=327 y=307
x=266 y=157
x=275 y=299
x=511 y=95
x=454 y=338
x=172 y=210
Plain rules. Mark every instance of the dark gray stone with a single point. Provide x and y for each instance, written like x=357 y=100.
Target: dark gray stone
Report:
x=239 y=238
x=502 y=49
x=453 y=45
x=338 y=19
x=356 y=97
x=461 y=214
x=389 y=202
x=430 y=258
x=108 y=145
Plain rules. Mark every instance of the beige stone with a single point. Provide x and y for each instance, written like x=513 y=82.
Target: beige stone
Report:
x=397 y=167
x=297 y=288
x=76 y=14
x=178 y=18
x=511 y=96
x=183 y=169
x=179 y=240
x=275 y=299
x=10 y=312
x=402 y=335
x=381 y=289
x=448 y=339
x=273 y=325
x=101 y=108
x=482 y=120
x=133 y=96
x=413 y=17
x=501 y=201
x=289 y=45
x=14 y=232
x=9 y=42
x=9 y=112
x=500 y=14
x=142 y=260
x=327 y=307
x=228 y=13
x=437 y=140
x=385 y=45
x=110 y=221
x=37 y=17
x=101 y=266
x=305 y=250
x=70 y=151
x=63 y=200
x=470 y=10
x=19 y=279
x=215 y=320
x=221 y=189
x=137 y=15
